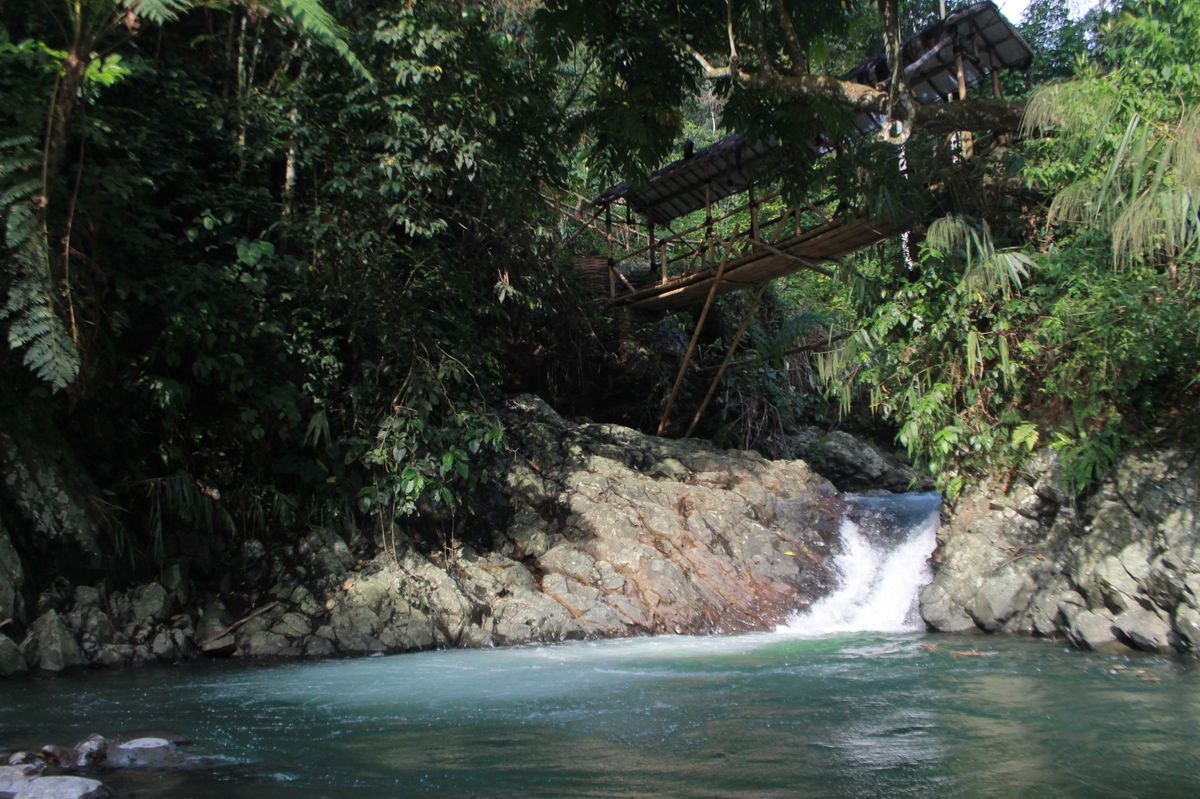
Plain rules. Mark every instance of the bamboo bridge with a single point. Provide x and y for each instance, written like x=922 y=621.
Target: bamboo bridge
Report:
x=651 y=266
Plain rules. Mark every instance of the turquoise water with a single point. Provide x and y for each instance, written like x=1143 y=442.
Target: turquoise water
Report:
x=768 y=715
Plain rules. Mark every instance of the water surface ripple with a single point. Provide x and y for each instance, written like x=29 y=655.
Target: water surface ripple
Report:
x=853 y=715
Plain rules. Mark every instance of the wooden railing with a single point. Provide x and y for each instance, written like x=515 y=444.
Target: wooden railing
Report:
x=737 y=233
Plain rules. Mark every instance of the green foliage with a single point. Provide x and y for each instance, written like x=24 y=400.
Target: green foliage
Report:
x=1085 y=338
x=285 y=277
x=34 y=328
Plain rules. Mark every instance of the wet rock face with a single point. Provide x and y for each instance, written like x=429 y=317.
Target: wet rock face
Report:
x=629 y=533
x=12 y=578
x=1122 y=572
x=607 y=532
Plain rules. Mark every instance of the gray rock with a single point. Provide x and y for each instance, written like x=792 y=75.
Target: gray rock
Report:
x=50 y=646
x=151 y=604
x=942 y=611
x=1144 y=629
x=316 y=647
x=1000 y=598
x=1187 y=627
x=217 y=647
x=1091 y=630
x=113 y=655
x=263 y=644
x=150 y=752
x=91 y=752
x=48 y=490
x=852 y=464
x=11 y=659
x=87 y=596
x=14 y=778
x=164 y=647
x=63 y=788
x=326 y=552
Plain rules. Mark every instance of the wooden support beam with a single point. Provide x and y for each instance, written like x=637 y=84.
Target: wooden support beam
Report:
x=691 y=350
x=737 y=339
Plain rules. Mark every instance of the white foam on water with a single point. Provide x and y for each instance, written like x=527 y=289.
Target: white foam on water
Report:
x=881 y=575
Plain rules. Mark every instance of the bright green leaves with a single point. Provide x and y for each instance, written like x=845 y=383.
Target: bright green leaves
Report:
x=429 y=450
x=936 y=354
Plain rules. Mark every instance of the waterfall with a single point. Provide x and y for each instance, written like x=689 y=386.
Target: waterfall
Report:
x=886 y=542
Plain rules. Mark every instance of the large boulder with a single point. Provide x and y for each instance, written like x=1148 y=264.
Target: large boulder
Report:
x=853 y=464
x=609 y=533
x=1123 y=570
x=50 y=645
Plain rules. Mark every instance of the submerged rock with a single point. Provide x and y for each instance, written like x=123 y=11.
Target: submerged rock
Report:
x=145 y=753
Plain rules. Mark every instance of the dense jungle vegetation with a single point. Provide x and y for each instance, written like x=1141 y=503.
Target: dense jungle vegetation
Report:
x=269 y=264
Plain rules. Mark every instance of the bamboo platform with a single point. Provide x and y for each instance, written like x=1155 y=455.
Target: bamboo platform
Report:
x=764 y=263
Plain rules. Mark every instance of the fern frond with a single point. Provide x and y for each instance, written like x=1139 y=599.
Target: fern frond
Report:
x=20 y=191
x=32 y=323
x=19 y=227
x=160 y=11
x=312 y=18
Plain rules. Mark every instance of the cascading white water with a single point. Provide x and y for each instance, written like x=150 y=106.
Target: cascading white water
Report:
x=883 y=565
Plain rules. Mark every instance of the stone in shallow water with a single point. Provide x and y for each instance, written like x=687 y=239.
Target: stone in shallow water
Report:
x=1144 y=629
x=91 y=752
x=1091 y=630
x=63 y=788
x=13 y=779
x=145 y=753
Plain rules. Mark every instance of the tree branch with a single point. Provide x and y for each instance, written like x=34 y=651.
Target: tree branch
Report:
x=979 y=114
x=765 y=62
x=791 y=38
x=733 y=53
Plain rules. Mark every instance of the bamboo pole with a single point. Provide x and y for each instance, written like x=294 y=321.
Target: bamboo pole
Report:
x=753 y=214
x=737 y=339
x=651 y=249
x=612 y=268
x=691 y=350
x=964 y=136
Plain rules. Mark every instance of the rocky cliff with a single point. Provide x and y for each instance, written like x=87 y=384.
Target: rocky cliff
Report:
x=607 y=532
x=1120 y=571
